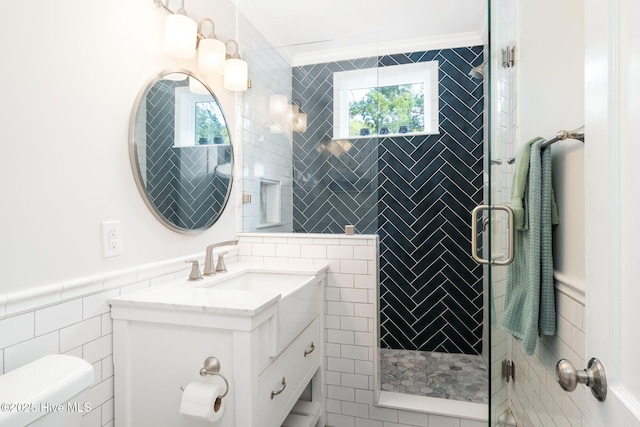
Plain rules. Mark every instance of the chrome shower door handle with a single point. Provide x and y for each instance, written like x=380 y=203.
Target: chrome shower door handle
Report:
x=474 y=234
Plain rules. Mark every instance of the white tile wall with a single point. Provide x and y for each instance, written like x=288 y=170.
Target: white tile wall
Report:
x=264 y=153
x=77 y=323
x=349 y=324
x=536 y=399
x=58 y=316
x=83 y=332
x=17 y=329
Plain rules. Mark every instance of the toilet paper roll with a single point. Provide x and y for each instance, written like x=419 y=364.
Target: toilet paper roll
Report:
x=201 y=401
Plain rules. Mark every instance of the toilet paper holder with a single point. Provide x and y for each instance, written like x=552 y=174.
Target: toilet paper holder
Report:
x=212 y=367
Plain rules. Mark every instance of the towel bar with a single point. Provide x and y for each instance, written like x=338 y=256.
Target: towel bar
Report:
x=560 y=136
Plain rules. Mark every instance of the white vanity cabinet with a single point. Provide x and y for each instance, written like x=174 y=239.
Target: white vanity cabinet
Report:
x=282 y=382
x=162 y=336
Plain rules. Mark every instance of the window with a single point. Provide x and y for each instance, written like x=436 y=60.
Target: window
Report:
x=398 y=99
x=199 y=120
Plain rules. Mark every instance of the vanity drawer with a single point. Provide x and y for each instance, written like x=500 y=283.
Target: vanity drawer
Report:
x=297 y=364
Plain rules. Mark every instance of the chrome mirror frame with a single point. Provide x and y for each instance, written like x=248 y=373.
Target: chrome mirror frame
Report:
x=135 y=163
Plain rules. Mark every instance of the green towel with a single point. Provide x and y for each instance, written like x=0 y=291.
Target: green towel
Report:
x=529 y=300
x=519 y=186
x=549 y=211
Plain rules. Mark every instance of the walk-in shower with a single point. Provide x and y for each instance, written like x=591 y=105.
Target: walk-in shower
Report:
x=414 y=187
x=415 y=191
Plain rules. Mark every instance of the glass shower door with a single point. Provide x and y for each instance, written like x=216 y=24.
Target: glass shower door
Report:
x=501 y=150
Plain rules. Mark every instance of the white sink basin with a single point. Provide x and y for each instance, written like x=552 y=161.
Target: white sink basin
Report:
x=281 y=283
x=300 y=299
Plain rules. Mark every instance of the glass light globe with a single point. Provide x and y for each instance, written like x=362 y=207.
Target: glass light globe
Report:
x=180 y=35
x=278 y=106
x=211 y=56
x=236 y=74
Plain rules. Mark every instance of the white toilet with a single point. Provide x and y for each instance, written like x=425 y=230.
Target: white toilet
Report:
x=50 y=391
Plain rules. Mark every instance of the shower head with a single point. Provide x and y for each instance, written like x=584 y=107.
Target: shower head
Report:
x=478 y=72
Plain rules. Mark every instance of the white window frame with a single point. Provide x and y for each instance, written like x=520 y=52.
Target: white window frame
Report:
x=393 y=75
x=185 y=117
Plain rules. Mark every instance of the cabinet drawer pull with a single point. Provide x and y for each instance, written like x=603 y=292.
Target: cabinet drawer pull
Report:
x=313 y=347
x=275 y=393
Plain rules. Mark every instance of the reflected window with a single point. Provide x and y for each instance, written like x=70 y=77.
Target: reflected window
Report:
x=199 y=120
x=209 y=124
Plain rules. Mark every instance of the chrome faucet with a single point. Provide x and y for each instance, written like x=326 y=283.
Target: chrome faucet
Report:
x=208 y=258
x=221 y=267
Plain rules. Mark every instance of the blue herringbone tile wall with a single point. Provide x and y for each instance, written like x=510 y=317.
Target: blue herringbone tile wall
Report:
x=416 y=192
x=181 y=181
x=333 y=186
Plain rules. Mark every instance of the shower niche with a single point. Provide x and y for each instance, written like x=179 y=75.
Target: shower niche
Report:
x=269 y=202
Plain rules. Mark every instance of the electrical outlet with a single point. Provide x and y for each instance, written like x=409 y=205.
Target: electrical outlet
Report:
x=111 y=239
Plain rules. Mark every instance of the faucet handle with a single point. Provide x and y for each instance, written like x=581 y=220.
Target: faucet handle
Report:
x=221 y=267
x=195 y=270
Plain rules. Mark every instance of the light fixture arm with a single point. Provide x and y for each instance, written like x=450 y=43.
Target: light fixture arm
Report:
x=236 y=55
x=165 y=6
x=211 y=35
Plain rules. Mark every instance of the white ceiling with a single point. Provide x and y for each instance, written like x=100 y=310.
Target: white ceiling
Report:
x=315 y=30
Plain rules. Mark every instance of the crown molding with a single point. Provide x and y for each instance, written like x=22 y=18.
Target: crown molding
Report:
x=345 y=52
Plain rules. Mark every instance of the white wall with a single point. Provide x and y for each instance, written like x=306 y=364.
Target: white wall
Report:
x=266 y=154
x=550 y=56
x=70 y=73
x=550 y=66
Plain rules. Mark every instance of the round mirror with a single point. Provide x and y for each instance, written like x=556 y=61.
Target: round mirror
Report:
x=181 y=152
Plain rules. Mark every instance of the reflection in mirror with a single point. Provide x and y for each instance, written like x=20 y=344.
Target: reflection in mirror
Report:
x=181 y=152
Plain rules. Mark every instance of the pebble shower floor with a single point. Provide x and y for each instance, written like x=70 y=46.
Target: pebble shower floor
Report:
x=442 y=375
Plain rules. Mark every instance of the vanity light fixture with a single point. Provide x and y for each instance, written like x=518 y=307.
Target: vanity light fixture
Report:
x=236 y=71
x=299 y=119
x=292 y=111
x=182 y=36
x=300 y=125
x=277 y=106
x=180 y=33
x=175 y=77
x=211 y=51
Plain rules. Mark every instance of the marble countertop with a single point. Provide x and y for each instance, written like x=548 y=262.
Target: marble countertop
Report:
x=203 y=296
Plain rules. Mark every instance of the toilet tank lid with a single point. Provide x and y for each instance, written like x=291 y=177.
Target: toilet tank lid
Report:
x=50 y=380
